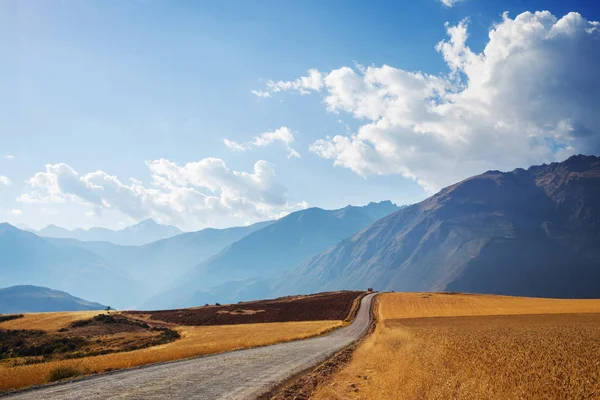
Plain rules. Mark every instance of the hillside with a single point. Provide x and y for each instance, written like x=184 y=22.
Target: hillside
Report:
x=28 y=299
x=27 y=259
x=139 y=234
x=159 y=263
x=270 y=251
x=528 y=232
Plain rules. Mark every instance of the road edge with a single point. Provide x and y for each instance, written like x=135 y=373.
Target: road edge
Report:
x=302 y=384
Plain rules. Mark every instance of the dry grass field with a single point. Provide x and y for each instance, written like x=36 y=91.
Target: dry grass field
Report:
x=48 y=321
x=195 y=341
x=458 y=346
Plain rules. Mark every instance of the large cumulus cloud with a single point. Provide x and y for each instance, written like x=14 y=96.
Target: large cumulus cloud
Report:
x=530 y=96
x=193 y=195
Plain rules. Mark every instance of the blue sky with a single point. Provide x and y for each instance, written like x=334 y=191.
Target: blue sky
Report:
x=113 y=86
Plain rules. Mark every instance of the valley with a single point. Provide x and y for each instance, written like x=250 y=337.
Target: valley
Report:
x=300 y=200
x=490 y=290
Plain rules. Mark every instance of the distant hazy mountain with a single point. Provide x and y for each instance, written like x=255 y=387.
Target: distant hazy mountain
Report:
x=24 y=227
x=159 y=263
x=532 y=232
x=27 y=259
x=145 y=232
x=28 y=298
x=273 y=249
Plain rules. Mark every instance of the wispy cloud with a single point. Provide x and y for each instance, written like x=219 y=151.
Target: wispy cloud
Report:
x=235 y=146
x=261 y=93
x=4 y=180
x=450 y=3
x=9 y=157
x=283 y=135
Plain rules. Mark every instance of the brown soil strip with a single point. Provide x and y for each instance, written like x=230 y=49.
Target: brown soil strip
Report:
x=329 y=306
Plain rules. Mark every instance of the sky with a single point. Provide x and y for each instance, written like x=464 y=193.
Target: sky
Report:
x=217 y=114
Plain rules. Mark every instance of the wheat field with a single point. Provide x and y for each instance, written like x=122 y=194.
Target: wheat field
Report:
x=195 y=341
x=455 y=346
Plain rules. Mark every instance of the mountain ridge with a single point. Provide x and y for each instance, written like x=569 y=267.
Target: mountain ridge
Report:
x=143 y=232
x=541 y=219
x=29 y=298
x=32 y=260
x=275 y=248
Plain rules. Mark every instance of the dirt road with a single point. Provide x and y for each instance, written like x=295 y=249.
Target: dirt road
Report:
x=243 y=374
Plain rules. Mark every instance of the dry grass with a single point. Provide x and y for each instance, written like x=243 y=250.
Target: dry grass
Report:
x=493 y=356
x=195 y=341
x=50 y=321
x=419 y=305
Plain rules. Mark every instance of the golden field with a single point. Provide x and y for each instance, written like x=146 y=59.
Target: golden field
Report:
x=49 y=321
x=195 y=341
x=459 y=346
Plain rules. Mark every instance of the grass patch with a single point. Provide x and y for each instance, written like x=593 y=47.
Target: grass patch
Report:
x=49 y=321
x=4 y=318
x=102 y=334
x=62 y=373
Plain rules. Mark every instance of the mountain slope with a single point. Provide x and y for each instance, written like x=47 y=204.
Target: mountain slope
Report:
x=275 y=249
x=528 y=232
x=142 y=233
x=27 y=298
x=159 y=263
x=26 y=258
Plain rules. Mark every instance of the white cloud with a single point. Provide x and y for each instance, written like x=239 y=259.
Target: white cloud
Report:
x=261 y=93
x=9 y=157
x=16 y=211
x=530 y=96
x=283 y=135
x=305 y=84
x=197 y=194
x=450 y=3
x=4 y=180
x=235 y=146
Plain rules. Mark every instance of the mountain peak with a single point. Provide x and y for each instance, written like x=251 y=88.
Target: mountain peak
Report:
x=147 y=222
x=30 y=298
x=5 y=226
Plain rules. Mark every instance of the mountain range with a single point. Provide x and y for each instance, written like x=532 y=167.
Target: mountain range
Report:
x=160 y=263
x=527 y=232
x=27 y=298
x=139 y=234
x=273 y=250
x=27 y=259
x=131 y=276
x=533 y=232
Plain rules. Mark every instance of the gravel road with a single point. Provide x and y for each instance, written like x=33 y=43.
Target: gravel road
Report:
x=243 y=374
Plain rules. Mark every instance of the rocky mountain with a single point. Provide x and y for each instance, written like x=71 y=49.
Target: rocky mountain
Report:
x=533 y=232
x=27 y=259
x=273 y=249
x=28 y=298
x=142 y=233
